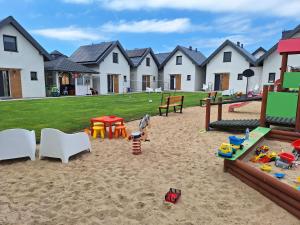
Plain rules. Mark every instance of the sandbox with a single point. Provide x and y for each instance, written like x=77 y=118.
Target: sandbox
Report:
x=281 y=192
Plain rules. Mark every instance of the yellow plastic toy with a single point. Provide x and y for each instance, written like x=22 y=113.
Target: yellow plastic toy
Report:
x=225 y=150
x=266 y=168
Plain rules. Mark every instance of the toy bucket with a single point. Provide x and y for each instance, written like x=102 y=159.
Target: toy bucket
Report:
x=288 y=157
x=296 y=145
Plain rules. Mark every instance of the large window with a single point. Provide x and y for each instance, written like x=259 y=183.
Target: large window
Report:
x=227 y=57
x=33 y=75
x=10 y=43
x=272 y=77
x=115 y=57
x=179 y=60
x=147 y=61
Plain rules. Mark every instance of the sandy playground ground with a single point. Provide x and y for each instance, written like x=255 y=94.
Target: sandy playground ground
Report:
x=112 y=186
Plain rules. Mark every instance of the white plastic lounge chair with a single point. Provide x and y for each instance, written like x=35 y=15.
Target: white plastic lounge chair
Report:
x=205 y=87
x=149 y=90
x=57 y=144
x=158 y=90
x=17 y=143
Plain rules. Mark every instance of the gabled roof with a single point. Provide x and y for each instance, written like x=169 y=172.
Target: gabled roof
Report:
x=194 y=55
x=260 y=49
x=63 y=64
x=138 y=55
x=11 y=21
x=161 y=57
x=95 y=53
x=285 y=35
x=56 y=54
x=243 y=52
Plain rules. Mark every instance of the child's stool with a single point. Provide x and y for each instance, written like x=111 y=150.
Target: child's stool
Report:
x=120 y=130
x=100 y=130
x=100 y=124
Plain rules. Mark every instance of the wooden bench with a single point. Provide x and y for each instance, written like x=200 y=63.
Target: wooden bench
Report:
x=172 y=101
x=212 y=95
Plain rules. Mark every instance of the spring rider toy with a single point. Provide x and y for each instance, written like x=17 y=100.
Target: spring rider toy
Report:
x=141 y=135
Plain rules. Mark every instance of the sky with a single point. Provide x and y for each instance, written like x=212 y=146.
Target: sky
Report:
x=65 y=25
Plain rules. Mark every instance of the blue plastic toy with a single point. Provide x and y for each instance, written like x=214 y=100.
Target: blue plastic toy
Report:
x=279 y=175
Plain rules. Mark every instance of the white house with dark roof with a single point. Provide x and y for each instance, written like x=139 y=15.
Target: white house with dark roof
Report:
x=224 y=68
x=110 y=60
x=21 y=62
x=271 y=60
x=161 y=57
x=69 y=77
x=144 y=72
x=182 y=70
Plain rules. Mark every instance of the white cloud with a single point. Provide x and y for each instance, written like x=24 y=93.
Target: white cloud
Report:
x=151 y=26
x=70 y=33
x=286 y=8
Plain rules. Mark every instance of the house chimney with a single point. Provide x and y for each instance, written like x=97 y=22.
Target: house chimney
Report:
x=191 y=48
x=242 y=45
x=238 y=43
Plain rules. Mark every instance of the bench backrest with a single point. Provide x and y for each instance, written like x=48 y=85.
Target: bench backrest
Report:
x=174 y=99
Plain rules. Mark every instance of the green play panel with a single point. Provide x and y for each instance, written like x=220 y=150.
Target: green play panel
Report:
x=254 y=137
x=282 y=104
x=291 y=80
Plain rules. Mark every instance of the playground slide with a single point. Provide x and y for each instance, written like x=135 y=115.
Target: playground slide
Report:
x=237 y=105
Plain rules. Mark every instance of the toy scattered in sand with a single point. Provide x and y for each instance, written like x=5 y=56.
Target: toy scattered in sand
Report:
x=173 y=195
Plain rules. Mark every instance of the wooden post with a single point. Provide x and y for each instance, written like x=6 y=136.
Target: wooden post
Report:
x=207 y=116
x=264 y=106
x=283 y=69
x=271 y=88
x=297 y=128
x=220 y=106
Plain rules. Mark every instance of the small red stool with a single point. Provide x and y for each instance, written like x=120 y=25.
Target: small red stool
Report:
x=120 y=130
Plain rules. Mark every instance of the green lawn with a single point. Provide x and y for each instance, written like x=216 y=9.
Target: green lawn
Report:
x=73 y=113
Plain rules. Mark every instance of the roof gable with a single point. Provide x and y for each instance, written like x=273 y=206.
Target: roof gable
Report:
x=260 y=49
x=138 y=55
x=243 y=52
x=11 y=21
x=96 y=53
x=195 y=56
x=161 y=57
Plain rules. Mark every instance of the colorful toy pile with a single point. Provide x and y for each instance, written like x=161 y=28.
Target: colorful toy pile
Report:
x=227 y=150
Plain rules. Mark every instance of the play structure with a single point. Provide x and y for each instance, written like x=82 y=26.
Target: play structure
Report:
x=281 y=108
x=236 y=105
x=141 y=135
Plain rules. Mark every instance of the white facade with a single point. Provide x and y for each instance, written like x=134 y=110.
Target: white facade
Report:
x=197 y=74
x=136 y=74
x=107 y=67
x=27 y=59
x=237 y=65
x=272 y=64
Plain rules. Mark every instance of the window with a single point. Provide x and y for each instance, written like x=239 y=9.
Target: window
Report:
x=227 y=57
x=87 y=81
x=125 y=78
x=272 y=77
x=10 y=43
x=188 y=77
x=33 y=76
x=147 y=61
x=80 y=80
x=115 y=57
x=240 y=76
x=179 y=60
x=154 y=78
